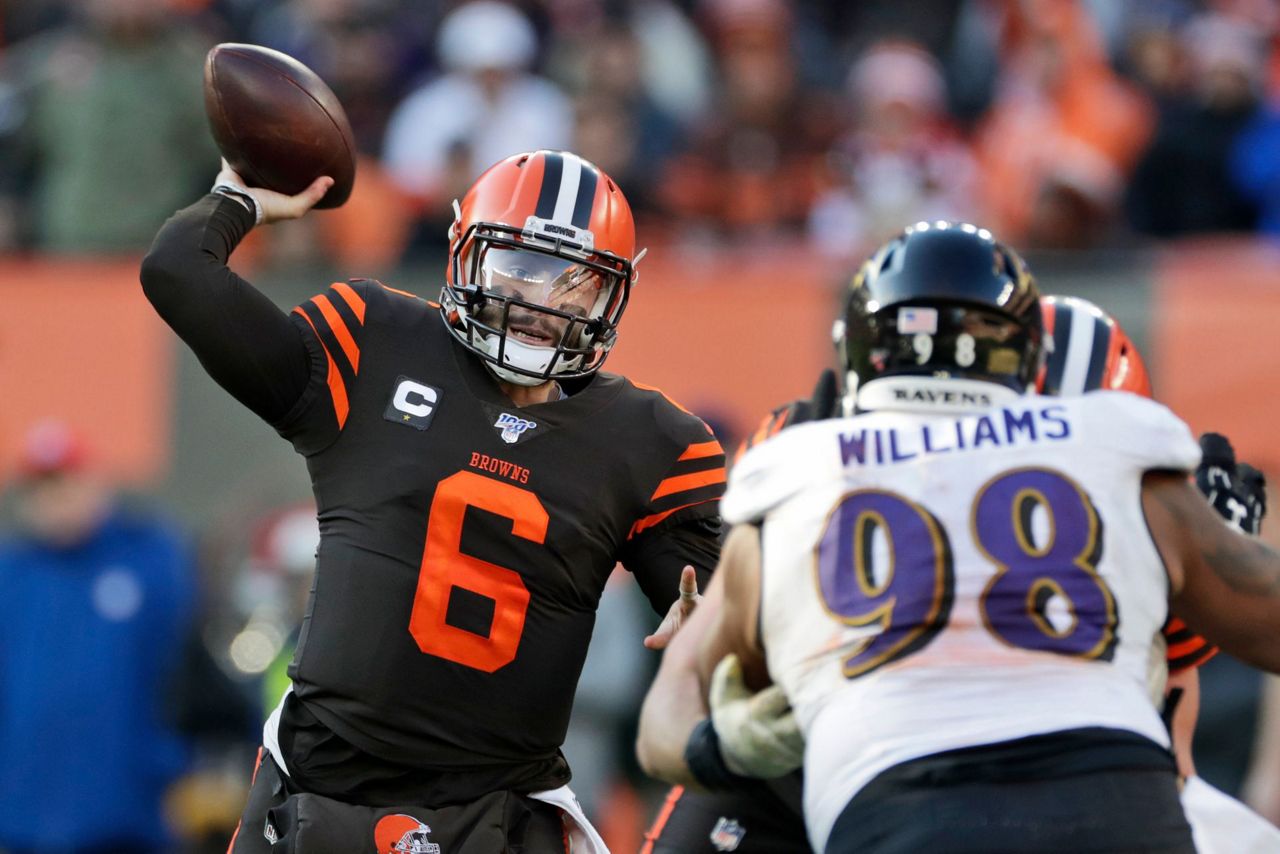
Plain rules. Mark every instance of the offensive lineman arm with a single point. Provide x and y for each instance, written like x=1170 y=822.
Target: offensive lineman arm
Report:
x=245 y=342
x=1221 y=581
x=674 y=703
x=724 y=623
x=1237 y=492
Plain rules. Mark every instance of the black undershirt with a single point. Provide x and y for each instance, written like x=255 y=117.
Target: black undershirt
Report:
x=243 y=339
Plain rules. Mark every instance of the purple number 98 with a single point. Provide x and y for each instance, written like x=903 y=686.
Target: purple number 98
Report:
x=1046 y=594
x=910 y=599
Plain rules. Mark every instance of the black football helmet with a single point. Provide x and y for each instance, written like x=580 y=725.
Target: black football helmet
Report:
x=942 y=316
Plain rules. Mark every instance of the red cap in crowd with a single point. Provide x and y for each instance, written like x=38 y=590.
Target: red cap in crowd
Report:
x=52 y=446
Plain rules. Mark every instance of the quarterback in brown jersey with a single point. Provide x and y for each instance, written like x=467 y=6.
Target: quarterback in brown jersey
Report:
x=477 y=478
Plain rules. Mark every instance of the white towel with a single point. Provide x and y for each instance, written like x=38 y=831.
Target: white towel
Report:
x=271 y=733
x=583 y=838
x=1222 y=825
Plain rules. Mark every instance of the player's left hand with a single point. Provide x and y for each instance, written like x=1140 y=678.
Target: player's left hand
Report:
x=1238 y=491
x=679 y=611
x=758 y=732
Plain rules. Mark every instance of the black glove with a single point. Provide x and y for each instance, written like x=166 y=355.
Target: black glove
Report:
x=825 y=402
x=1238 y=491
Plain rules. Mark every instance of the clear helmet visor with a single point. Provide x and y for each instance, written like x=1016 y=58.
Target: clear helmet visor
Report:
x=541 y=300
x=540 y=314
x=557 y=283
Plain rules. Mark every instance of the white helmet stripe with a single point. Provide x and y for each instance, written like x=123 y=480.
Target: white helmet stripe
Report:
x=1079 y=353
x=568 y=195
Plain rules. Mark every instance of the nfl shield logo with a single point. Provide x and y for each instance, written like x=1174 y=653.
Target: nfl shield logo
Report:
x=513 y=426
x=727 y=834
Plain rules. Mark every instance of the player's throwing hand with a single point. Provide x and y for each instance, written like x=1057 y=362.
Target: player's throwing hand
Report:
x=268 y=205
x=679 y=612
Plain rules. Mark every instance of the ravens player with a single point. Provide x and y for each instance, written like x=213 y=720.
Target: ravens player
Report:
x=1088 y=350
x=922 y=719
x=477 y=479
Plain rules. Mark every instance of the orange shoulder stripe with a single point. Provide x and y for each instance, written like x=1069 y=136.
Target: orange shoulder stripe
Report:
x=337 y=388
x=351 y=298
x=686 y=482
x=762 y=432
x=701 y=449
x=650 y=521
x=398 y=291
x=644 y=387
x=340 y=331
x=1186 y=647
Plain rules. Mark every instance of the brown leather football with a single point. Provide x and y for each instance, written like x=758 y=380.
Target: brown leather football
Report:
x=276 y=122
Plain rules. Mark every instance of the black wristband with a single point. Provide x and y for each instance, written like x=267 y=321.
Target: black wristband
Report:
x=706 y=762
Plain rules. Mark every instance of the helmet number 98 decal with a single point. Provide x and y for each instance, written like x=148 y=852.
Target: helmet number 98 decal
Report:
x=922 y=343
x=445 y=567
x=1045 y=596
x=965 y=353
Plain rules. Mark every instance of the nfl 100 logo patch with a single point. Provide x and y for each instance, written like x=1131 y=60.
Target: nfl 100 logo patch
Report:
x=513 y=427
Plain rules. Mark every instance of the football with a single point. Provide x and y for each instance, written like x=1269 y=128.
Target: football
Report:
x=276 y=122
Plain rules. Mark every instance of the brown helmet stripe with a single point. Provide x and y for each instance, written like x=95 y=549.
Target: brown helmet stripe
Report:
x=586 y=198
x=552 y=175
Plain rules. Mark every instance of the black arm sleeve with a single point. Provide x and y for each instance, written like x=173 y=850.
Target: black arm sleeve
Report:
x=656 y=558
x=245 y=342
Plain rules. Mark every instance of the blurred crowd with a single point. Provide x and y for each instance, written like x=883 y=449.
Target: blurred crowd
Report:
x=1061 y=124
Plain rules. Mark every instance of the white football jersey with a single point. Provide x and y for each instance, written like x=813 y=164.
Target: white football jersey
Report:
x=933 y=583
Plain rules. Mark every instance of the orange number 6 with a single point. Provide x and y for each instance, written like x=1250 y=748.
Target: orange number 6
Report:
x=445 y=567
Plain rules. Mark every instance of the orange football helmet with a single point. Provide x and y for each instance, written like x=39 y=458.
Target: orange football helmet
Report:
x=1089 y=351
x=541 y=262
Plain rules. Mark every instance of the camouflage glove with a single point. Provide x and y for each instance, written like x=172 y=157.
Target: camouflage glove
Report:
x=758 y=733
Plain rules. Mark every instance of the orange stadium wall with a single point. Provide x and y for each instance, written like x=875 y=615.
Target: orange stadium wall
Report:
x=79 y=342
x=730 y=338
x=1217 y=344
